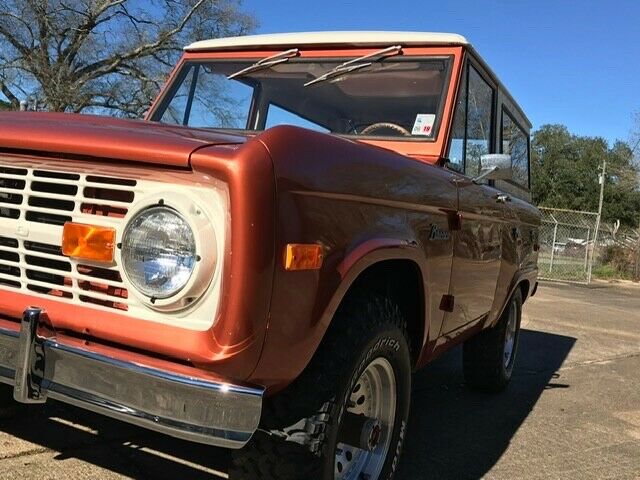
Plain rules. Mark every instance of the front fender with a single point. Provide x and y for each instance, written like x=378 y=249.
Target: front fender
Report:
x=305 y=302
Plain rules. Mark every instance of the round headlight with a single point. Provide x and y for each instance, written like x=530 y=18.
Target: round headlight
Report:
x=159 y=252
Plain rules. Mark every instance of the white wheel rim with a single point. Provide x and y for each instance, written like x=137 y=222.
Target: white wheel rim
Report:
x=510 y=336
x=374 y=396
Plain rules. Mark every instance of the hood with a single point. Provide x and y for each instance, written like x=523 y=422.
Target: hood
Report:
x=107 y=137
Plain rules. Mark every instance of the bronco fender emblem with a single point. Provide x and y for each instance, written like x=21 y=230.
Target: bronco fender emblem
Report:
x=438 y=233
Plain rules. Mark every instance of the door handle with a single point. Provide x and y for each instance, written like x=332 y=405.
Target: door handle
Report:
x=502 y=198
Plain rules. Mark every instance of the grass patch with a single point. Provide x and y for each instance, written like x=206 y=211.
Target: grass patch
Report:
x=609 y=272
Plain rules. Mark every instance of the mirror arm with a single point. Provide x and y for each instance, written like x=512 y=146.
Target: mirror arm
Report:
x=485 y=174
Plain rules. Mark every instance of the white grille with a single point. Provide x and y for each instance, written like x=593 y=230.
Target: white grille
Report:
x=34 y=205
x=37 y=196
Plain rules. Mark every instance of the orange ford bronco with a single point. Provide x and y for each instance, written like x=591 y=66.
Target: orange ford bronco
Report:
x=300 y=222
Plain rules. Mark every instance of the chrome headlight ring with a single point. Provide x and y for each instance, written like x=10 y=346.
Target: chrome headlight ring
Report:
x=169 y=273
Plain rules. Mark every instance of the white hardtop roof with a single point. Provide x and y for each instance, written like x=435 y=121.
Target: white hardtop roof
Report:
x=329 y=38
x=354 y=39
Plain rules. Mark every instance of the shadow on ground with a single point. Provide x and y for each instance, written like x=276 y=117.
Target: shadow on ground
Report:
x=457 y=434
x=453 y=433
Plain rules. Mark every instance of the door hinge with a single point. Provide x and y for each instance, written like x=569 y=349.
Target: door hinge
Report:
x=447 y=303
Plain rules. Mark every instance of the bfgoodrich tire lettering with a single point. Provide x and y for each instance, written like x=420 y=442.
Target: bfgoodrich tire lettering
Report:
x=368 y=330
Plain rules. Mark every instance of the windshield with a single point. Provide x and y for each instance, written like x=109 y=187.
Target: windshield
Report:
x=392 y=97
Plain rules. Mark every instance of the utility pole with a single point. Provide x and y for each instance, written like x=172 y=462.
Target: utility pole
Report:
x=636 y=272
x=602 y=180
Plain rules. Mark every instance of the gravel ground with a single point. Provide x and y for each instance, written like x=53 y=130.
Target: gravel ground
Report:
x=572 y=411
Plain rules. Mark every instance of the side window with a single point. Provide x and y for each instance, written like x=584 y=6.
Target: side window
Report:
x=175 y=112
x=471 y=132
x=456 y=147
x=479 y=109
x=515 y=142
x=205 y=98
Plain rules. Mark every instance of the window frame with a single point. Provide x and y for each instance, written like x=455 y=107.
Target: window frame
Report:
x=471 y=62
x=527 y=135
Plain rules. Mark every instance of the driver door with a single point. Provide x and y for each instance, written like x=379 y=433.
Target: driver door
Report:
x=477 y=252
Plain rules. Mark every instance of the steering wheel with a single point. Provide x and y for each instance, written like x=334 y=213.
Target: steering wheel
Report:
x=385 y=125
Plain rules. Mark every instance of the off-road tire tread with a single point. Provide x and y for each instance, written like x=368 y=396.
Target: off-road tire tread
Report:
x=263 y=457
x=482 y=355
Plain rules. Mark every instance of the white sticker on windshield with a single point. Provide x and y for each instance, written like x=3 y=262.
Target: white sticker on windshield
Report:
x=424 y=124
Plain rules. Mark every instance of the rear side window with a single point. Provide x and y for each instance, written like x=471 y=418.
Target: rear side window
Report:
x=515 y=142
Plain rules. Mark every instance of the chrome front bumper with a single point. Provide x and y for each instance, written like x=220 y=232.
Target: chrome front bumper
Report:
x=189 y=406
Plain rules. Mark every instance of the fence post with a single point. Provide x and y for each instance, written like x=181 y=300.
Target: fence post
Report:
x=553 y=245
x=586 y=250
x=603 y=179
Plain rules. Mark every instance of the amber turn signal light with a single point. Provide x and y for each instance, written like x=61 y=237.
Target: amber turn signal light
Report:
x=88 y=242
x=303 y=257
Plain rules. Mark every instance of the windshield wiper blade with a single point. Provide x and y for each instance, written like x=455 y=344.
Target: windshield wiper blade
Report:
x=355 y=64
x=276 y=59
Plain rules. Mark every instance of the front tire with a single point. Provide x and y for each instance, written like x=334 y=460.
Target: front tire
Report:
x=356 y=390
x=489 y=357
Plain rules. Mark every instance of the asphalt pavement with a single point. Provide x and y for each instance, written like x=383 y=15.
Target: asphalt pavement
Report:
x=572 y=411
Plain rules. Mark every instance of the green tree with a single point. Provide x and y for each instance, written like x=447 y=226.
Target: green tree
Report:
x=565 y=171
x=103 y=55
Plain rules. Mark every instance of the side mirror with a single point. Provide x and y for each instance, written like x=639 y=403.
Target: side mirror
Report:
x=495 y=166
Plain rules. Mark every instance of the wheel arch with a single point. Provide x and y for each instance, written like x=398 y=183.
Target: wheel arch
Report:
x=362 y=266
x=524 y=281
x=393 y=269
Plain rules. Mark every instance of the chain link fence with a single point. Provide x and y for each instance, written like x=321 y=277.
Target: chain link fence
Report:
x=567 y=240
x=618 y=253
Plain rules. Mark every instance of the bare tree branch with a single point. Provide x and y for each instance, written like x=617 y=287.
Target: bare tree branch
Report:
x=85 y=29
x=103 y=55
x=15 y=102
x=111 y=64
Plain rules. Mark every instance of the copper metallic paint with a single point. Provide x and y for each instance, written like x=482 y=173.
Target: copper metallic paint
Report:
x=320 y=200
x=239 y=330
x=477 y=253
x=105 y=137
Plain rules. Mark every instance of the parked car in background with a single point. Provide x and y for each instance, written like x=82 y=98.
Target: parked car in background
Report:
x=301 y=222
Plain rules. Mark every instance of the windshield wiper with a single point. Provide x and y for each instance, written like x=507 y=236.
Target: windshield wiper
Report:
x=353 y=65
x=276 y=59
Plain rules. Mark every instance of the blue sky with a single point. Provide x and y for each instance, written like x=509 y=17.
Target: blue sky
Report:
x=571 y=62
